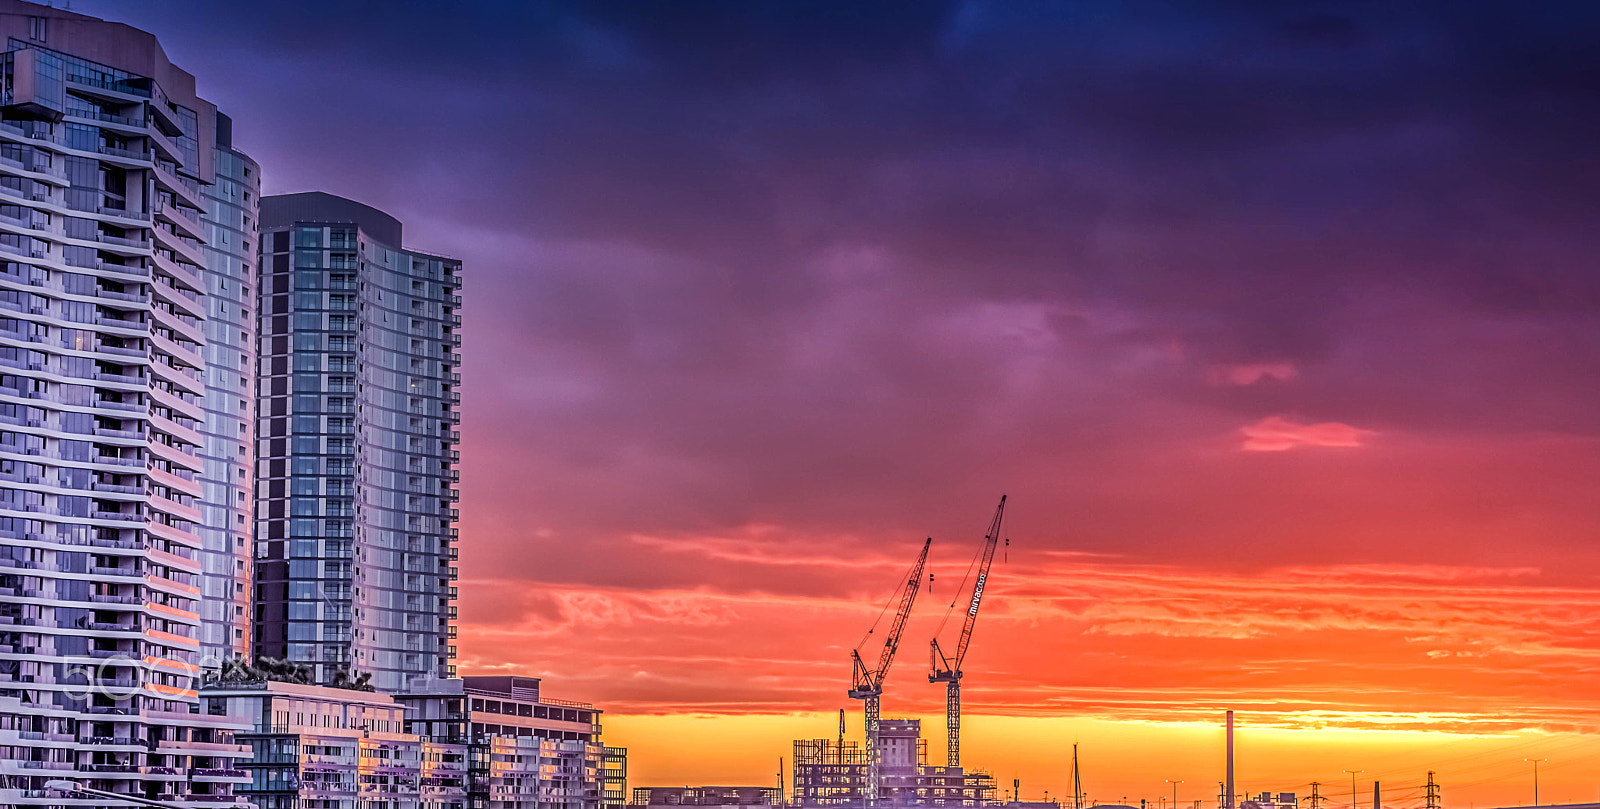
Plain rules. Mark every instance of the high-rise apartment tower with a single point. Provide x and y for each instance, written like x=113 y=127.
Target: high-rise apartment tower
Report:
x=227 y=452
x=106 y=158
x=356 y=445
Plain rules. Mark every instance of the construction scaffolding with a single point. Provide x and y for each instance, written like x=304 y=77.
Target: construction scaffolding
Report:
x=830 y=774
x=706 y=796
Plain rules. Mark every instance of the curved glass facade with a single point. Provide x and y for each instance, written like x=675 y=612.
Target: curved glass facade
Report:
x=356 y=503
x=228 y=450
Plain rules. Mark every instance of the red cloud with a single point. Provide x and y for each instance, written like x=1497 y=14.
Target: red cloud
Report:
x=1276 y=434
x=1249 y=374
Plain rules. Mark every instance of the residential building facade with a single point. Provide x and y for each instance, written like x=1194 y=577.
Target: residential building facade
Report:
x=524 y=750
x=613 y=777
x=105 y=155
x=356 y=444
x=316 y=747
x=227 y=452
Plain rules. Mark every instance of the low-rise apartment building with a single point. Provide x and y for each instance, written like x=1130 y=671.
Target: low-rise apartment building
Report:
x=523 y=749
x=316 y=747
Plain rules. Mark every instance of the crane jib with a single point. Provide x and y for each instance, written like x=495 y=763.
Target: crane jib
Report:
x=977 y=593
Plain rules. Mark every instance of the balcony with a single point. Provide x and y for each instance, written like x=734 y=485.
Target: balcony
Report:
x=106 y=321
x=163 y=144
x=140 y=243
x=123 y=213
x=123 y=379
x=115 y=460
x=119 y=296
x=218 y=772
x=126 y=269
x=109 y=404
x=104 y=599
x=189 y=224
x=188 y=273
x=120 y=351
x=188 y=189
x=101 y=432
x=53 y=172
x=124 y=90
x=139 y=157
x=24 y=195
x=27 y=224
x=114 y=740
x=108 y=118
x=186 y=248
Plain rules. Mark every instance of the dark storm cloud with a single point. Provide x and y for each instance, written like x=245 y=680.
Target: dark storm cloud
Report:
x=829 y=265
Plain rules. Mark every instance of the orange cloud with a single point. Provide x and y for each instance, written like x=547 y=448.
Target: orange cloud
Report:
x=1353 y=646
x=1125 y=652
x=1276 y=434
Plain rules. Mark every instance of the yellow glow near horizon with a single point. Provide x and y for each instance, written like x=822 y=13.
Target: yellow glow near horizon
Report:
x=1133 y=760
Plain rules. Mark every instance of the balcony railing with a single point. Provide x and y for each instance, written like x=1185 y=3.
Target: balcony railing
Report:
x=96 y=115
x=128 y=154
x=123 y=241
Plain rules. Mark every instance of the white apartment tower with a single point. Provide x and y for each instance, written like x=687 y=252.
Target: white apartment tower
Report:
x=108 y=247
x=356 y=445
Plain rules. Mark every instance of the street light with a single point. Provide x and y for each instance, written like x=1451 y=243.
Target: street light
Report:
x=1174 y=782
x=70 y=787
x=1536 y=777
x=1353 y=786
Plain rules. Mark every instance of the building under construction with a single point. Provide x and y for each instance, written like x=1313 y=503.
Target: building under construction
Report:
x=891 y=768
x=662 y=797
x=835 y=773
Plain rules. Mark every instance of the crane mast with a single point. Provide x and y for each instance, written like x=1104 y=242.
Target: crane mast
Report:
x=867 y=685
x=947 y=670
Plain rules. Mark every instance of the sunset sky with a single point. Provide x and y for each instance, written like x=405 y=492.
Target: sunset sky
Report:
x=1278 y=323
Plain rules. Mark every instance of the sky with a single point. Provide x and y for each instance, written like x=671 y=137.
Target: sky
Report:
x=1279 y=325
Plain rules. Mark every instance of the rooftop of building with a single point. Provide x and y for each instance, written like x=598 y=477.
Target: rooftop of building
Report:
x=284 y=210
x=899 y=728
x=115 y=47
x=112 y=44
x=507 y=688
x=244 y=688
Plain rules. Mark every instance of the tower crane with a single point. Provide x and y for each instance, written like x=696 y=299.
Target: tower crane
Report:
x=947 y=670
x=867 y=684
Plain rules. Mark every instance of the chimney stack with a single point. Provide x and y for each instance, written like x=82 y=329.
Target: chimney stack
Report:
x=1230 y=762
